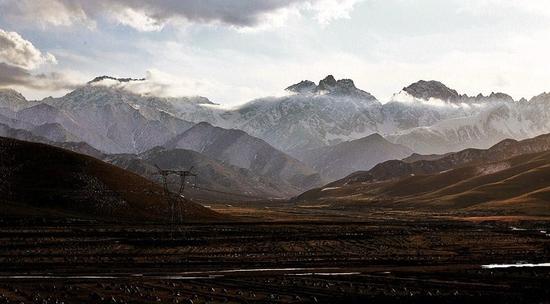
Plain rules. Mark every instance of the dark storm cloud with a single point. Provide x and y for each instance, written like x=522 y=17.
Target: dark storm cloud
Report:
x=234 y=12
x=135 y=13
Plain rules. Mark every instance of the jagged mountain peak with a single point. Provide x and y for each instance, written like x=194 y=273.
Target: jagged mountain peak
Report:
x=495 y=96
x=431 y=89
x=105 y=77
x=199 y=100
x=427 y=89
x=329 y=85
x=304 y=86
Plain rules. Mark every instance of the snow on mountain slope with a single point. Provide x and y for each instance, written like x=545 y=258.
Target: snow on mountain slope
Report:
x=315 y=116
x=312 y=117
x=454 y=122
x=122 y=122
x=491 y=123
x=426 y=116
x=13 y=100
x=332 y=112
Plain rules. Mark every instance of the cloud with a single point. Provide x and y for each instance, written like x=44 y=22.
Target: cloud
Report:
x=487 y=7
x=162 y=84
x=18 y=57
x=330 y=10
x=44 y=13
x=16 y=76
x=16 y=51
x=136 y=19
x=146 y=15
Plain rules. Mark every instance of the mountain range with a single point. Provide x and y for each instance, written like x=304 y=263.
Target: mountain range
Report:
x=272 y=146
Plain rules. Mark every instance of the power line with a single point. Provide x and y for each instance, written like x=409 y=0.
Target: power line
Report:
x=230 y=193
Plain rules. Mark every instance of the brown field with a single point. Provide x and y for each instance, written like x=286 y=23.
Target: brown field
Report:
x=514 y=186
x=318 y=256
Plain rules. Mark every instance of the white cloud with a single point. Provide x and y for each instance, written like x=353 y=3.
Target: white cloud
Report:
x=163 y=84
x=45 y=13
x=329 y=10
x=18 y=60
x=475 y=45
x=16 y=51
x=136 y=19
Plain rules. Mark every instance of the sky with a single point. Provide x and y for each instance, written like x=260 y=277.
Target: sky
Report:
x=238 y=50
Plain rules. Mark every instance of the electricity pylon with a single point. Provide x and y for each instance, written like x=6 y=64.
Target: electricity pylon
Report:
x=177 y=203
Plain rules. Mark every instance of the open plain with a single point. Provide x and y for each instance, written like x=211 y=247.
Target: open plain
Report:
x=391 y=257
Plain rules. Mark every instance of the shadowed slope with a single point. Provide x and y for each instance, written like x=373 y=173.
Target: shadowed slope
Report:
x=212 y=174
x=337 y=161
x=41 y=177
x=241 y=150
x=488 y=184
x=400 y=168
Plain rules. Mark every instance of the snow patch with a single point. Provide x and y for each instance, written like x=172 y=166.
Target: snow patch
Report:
x=493 y=168
x=330 y=188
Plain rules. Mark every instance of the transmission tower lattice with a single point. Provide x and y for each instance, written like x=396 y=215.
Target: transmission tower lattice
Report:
x=177 y=201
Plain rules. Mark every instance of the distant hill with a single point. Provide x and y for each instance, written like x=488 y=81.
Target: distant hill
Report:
x=212 y=174
x=400 y=168
x=237 y=148
x=79 y=147
x=55 y=132
x=39 y=179
x=510 y=177
x=337 y=161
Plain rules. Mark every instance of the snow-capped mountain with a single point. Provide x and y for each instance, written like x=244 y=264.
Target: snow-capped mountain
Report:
x=311 y=116
x=12 y=101
x=438 y=92
x=117 y=121
x=426 y=116
x=316 y=116
x=465 y=121
x=110 y=119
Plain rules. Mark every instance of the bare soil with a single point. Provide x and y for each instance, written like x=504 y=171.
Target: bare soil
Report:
x=388 y=258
